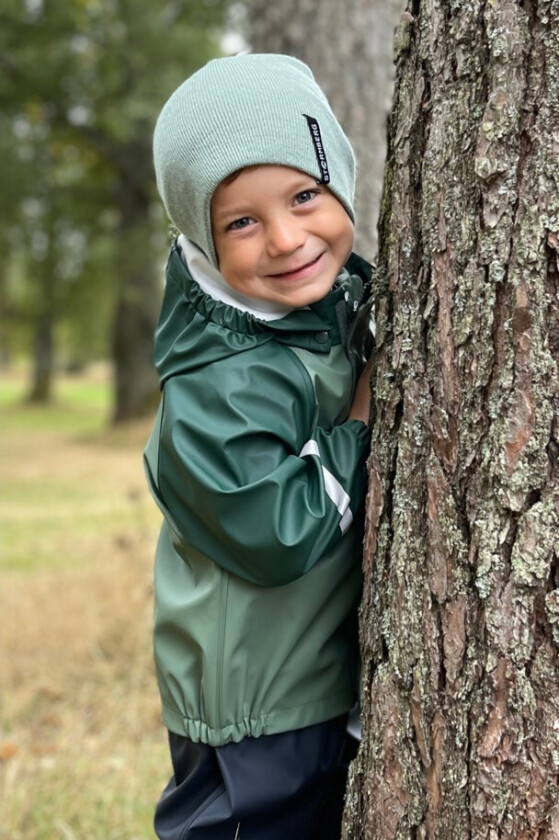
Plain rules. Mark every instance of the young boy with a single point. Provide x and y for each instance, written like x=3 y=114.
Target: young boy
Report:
x=257 y=455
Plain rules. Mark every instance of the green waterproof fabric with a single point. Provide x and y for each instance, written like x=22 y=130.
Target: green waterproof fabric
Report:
x=261 y=484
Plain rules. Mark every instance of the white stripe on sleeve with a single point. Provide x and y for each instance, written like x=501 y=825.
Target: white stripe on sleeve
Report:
x=334 y=489
x=310 y=448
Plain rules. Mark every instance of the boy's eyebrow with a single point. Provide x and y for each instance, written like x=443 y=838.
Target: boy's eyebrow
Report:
x=241 y=209
x=235 y=210
x=234 y=207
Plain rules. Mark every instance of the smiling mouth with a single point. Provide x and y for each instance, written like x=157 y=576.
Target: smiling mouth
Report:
x=301 y=269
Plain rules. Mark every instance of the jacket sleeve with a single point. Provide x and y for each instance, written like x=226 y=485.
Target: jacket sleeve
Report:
x=243 y=477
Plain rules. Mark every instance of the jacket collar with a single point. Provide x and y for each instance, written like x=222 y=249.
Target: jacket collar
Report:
x=194 y=329
x=351 y=288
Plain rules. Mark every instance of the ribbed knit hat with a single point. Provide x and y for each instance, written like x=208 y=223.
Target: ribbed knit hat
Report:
x=243 y=111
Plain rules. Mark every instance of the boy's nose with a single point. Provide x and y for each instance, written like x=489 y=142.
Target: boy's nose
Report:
x=284 y=236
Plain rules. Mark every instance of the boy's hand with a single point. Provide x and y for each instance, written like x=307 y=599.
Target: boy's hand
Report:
x=361 y=405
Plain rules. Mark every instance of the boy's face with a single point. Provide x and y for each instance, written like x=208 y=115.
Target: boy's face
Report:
x=279 y=235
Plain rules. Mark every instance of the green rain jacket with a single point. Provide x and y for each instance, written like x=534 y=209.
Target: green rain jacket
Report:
x=260 y=479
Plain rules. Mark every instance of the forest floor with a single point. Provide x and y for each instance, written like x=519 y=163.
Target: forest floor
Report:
x=83 y=753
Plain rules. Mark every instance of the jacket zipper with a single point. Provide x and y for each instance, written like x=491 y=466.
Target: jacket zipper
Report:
x=223 y=596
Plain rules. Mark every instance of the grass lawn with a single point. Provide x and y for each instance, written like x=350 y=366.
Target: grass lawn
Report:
x=83 y=754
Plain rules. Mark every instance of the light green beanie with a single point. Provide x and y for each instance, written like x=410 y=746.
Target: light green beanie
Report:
x=243 y=111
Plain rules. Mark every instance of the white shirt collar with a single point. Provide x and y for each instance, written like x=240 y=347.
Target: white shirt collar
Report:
x=212 y=282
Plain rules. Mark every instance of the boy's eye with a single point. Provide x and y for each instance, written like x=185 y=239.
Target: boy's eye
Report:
x=239 y=224
x=304 y=196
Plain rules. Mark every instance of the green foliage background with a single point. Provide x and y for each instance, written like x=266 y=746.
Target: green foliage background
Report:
x=81 y=84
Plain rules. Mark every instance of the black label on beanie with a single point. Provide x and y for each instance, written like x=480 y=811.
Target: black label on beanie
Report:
x=319 y=148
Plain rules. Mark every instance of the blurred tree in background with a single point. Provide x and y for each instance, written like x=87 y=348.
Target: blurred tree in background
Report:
x=81 y=85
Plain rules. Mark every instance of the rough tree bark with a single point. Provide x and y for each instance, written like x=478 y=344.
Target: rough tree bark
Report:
x=349 y=49
x=460 y=617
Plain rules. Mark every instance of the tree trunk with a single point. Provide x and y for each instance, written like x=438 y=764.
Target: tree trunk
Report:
x=139 y=298
x=45 y=316
x=349 y=49
x=136 y=383
x=460 y=615
x=43 y=360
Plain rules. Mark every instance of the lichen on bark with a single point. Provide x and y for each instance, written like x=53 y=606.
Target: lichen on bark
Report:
x=460 y=613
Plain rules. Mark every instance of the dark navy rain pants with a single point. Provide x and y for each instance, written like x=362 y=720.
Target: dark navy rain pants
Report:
x=278 y=787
